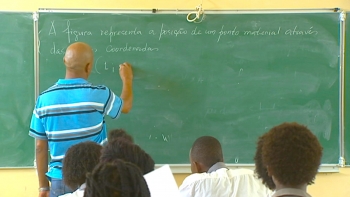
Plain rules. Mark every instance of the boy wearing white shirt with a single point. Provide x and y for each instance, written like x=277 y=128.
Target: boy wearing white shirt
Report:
x=212 y=178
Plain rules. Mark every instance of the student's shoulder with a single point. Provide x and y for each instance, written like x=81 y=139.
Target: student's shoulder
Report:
x=241 y=172
x=195 y=178
x=77 y=193
x=200 y=178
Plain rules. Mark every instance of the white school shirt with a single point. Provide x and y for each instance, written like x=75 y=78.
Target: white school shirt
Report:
x=224 y=182
x=291 y=192
x=78 y=193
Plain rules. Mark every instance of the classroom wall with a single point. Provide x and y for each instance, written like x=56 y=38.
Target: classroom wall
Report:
x=23 y=182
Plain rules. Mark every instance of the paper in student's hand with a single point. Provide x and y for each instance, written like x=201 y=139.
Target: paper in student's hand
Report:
x=161 y=182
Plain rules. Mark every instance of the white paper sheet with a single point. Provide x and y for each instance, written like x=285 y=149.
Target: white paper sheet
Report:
x=161 y=183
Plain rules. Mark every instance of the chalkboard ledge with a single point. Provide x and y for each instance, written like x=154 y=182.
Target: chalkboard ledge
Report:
x=186 y=168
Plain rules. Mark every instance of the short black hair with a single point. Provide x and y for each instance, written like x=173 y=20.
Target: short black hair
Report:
x=79 y=160
x=207 y=150
x=119 y=133
x=292 y=153
x=122 y=149
x=116 y=179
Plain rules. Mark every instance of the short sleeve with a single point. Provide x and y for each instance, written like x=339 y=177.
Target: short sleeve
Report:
x=37 y=129
x=114 y=105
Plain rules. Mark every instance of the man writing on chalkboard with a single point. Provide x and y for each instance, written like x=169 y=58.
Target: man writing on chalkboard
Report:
x=72 y=111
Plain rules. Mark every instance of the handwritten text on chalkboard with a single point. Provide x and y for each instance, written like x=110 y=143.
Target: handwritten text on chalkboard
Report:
x=114 y=34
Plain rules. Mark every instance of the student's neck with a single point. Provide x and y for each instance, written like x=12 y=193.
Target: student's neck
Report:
x=301 y=187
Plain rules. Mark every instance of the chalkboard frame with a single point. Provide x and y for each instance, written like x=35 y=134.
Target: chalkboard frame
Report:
x=185 y=167
x=346 y=136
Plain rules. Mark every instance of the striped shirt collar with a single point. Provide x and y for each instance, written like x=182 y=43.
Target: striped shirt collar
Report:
x=71 y=81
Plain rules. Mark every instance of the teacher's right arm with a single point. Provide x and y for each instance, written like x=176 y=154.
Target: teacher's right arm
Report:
x=126 y=75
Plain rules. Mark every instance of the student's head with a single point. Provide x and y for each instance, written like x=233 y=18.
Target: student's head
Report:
x=290 y=154
x=122 y=149
x=116 y=179
x=260 y=168
x=119 y=133
x=78 y=59
x=205 y=152
x=79 y=160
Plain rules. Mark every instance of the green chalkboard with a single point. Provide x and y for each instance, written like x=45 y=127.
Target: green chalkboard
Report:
x=232 y=76
x=17 y=89
x=346 y=91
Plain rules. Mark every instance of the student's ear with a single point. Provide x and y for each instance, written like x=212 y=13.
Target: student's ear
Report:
x=200 y=167
x=193 y=167
x=196 y=167
x=269 y=172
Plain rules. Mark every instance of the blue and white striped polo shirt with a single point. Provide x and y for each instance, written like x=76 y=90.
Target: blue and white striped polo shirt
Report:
x=70 y=112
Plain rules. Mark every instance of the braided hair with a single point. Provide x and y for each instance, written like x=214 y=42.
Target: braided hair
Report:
x=79 y=160
x=122 y=149
x=116 y=179
x=119 y=133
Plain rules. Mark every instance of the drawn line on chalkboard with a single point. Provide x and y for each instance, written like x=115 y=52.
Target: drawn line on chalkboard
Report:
x=240 y=72
x=97 y=64
x=154 y=88
x=39 y=46
x=164 y=138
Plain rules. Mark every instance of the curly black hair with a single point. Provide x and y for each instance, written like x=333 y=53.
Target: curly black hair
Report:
x=260 y=168
x=117 y=179
x=119 y=133
x=292 y=153
x=79 y=160
x=122 y=149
